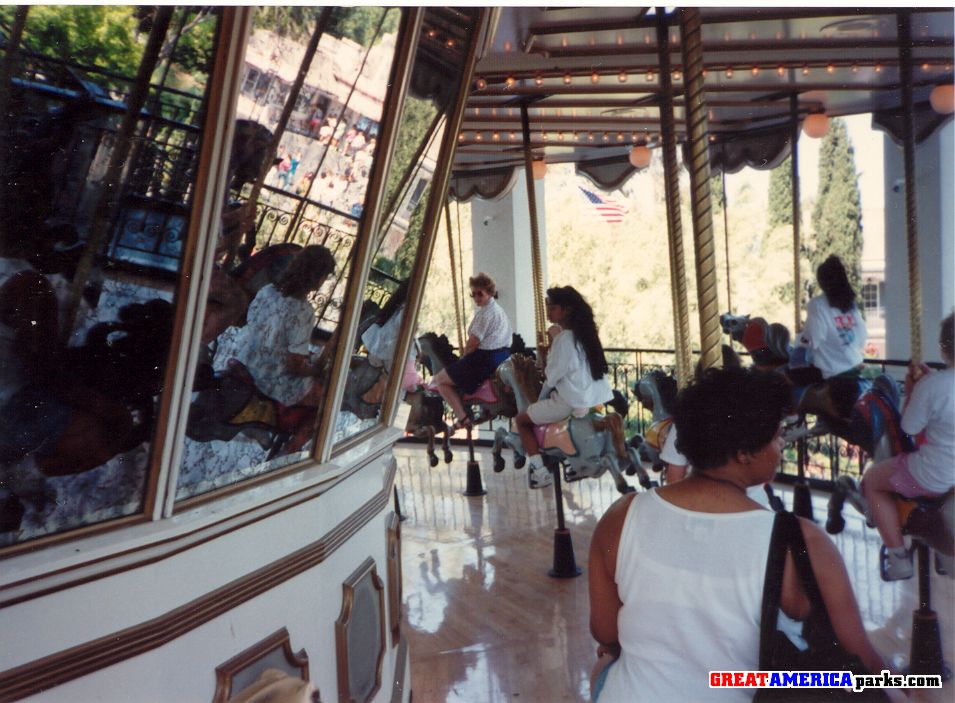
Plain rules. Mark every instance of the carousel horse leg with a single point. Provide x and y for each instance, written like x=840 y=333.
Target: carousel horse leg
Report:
x=565 y=565
x=802 y=497
x=643 y=478
x=500 y=435
x=446 y=443
x=619 y=481
x=475 y=486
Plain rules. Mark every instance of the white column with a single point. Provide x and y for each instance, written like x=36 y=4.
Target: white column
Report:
x=502 y=249
x=936 y=228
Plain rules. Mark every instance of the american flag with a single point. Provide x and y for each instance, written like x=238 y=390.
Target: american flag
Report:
x=608 y=208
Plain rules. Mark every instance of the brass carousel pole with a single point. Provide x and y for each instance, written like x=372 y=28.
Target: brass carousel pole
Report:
x=458 y=324
x=925 y=653
x=802 y=497
x=700 y=203
x=536 y=267
x=796 y=209
x=911 y=209
x=671 y=172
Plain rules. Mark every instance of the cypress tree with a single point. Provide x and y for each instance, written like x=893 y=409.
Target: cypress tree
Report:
x=781 y=195
x=837 y=215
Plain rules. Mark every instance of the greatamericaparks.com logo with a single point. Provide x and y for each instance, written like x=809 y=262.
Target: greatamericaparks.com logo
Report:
x=821 y=679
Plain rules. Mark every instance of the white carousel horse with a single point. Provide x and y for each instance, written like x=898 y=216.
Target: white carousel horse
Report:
x=585 y=447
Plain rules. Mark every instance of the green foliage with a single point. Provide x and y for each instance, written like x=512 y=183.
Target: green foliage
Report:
x=781 y=195
x=97 y=35
x=717 y=196
x=360 y=24
x=295 y=21
x=193 y=51
x=413 y=127
x=837 y=215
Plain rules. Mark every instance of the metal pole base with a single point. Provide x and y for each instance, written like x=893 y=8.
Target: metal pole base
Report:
x=926 y=652
x=802 y=500
x=565 y=566
x=475 y=486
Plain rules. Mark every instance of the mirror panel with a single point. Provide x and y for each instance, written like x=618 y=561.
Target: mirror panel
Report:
x=95 y=201
x=439 y=62
x=298 y=176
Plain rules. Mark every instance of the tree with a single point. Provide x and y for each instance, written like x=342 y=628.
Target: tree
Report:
x=90 y=35
x=781 y=195
x=837 y=216
x=360 y=24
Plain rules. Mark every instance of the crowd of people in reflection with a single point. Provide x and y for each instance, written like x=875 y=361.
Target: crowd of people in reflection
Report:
x=335 y=175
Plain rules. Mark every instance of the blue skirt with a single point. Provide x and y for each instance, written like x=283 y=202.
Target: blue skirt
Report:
x=472 y=370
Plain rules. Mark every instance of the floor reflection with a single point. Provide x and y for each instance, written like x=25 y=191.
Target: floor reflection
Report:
x=486 y=624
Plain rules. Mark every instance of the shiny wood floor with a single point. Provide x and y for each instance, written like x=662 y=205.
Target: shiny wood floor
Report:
x=486 y=624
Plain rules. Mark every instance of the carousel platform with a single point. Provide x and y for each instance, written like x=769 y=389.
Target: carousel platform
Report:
x=486 y=624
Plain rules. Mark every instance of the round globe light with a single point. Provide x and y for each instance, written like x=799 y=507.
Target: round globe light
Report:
x=942 y=98
x=640 y=156
x=816 y=125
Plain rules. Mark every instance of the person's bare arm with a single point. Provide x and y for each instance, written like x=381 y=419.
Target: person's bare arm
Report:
x=472 y=344
x=605 y=602
x=837 y=595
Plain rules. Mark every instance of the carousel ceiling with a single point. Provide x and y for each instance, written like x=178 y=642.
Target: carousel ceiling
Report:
x=590 y=80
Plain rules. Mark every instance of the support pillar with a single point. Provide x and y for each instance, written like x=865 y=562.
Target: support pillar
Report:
x=501 y=231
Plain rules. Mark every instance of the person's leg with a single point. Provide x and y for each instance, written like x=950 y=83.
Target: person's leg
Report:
x=525 y=429
x=447 y=390
x=880 y=494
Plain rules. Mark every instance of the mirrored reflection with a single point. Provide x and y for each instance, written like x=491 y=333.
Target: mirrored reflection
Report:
x=436 y=72
x=95 y=202
x=296 y=197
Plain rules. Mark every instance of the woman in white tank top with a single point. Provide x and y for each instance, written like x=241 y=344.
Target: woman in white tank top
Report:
x=668 y=611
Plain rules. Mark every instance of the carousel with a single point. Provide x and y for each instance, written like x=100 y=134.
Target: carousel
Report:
x=218 y=475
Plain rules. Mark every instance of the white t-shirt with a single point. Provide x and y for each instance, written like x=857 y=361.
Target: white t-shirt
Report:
x=380 y=340
x=670 y=455
x=691 y=602
x=932 y=408
x=836 y=338
x=491 y=326
x=568 y=372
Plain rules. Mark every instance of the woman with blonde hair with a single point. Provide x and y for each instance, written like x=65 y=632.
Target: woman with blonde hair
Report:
x=488 y=344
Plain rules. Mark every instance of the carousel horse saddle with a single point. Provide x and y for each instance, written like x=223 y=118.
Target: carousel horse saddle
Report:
x=768 y=343
x=561 y=435
x=484 y=394
x=925 y=519
x=656 y=434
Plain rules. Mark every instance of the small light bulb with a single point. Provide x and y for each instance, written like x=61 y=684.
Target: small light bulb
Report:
x=594 y=77
x=729 y=72
x=780 y=69
x=509 y=81
x=622 y=76
x=830 y=69
x=567 y=79
x=539 y=79
x=480 y=84
x=754 y=70
x=805 y=70
x=649 y=76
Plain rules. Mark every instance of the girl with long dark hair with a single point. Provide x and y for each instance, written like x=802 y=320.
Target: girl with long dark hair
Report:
x=574 y=376
x=835 y=333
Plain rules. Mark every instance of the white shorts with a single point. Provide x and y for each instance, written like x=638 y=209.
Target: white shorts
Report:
x=549 y=410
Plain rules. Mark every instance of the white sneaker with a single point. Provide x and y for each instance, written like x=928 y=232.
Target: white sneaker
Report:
x=896 y=565
x=538 y=477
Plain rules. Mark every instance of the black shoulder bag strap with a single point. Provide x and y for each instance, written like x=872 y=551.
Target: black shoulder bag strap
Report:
x=772 y=591
x=787 y=537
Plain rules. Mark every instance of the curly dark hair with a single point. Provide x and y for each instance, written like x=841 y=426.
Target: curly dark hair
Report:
x=579 y=318
x=726 y=411
x=306 y=272
x=831 y=277
x=945 y=337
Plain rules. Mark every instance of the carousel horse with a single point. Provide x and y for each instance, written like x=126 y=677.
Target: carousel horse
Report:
x=769 y=347
x=872 y=421
x=426 y=421
x=76 y=407
x=585 y=447
x=656 y=391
